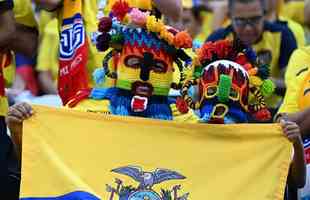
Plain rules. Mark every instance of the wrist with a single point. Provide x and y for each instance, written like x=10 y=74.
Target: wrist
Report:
x=298 y=141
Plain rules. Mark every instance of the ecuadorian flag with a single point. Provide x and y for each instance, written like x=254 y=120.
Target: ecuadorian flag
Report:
x=71 y=155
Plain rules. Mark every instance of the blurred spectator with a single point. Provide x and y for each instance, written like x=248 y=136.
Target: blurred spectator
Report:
x=25 y=69
x=273 y=14
x=9 y=180
x=297 y=101
x=293 y=10
x=47 y=62
x=273 y=43
x=197 y=19
x=90 y=10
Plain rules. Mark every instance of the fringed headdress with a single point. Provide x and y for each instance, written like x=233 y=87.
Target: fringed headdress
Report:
x=229 y=73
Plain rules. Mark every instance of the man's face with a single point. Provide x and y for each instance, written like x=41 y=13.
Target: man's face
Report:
x=248 y=21
x=271 y=5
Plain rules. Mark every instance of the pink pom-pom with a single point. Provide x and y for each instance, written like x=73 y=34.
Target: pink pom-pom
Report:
x=138 y=17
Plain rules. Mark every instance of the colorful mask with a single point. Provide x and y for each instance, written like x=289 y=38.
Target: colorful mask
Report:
x=227 y=76
x=143 y=51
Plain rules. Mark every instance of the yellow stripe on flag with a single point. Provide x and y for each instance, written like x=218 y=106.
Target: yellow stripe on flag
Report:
x=66 y=151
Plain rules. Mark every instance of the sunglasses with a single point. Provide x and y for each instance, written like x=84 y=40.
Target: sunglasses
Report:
x=242 y=22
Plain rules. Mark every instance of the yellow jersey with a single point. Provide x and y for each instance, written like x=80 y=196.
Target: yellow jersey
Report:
x=206 y=26
x=49 y=49
x=24 y=14
x=294 y=10
x=297 y=77
x=296 y=29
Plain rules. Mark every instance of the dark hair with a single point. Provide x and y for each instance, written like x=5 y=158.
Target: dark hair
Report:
x=232 y=2
x=198 y=10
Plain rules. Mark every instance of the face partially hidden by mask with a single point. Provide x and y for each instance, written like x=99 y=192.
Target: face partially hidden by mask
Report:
x=223 y=91
x=229 y=84
x=141 y=53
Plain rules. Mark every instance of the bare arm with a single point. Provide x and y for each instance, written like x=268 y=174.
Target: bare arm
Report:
x=297 y=174
x=7 y=28
x=25 y=40
x=170 y=8
x=15 y=117
x=298 y=166
x=303 y=120
x=220 y=10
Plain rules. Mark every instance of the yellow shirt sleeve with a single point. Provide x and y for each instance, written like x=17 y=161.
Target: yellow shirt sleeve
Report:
x=23 y=13
x=48 y=50
x=294 y=10
x=298 y=32
x=206 y=27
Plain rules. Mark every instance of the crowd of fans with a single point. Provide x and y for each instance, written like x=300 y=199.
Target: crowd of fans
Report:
x=278 y=30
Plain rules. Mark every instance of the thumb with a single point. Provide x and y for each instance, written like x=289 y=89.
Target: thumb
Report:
x=282 y=123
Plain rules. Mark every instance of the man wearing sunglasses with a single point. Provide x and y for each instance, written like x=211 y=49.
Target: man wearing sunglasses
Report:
x=273 y=43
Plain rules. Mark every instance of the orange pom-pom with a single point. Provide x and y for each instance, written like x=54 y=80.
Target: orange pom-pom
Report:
x=253 y=71
x=248 y=66
x=183 y=40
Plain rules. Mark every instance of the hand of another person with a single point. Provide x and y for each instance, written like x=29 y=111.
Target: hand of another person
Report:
x=15 y=117
x=292 y=131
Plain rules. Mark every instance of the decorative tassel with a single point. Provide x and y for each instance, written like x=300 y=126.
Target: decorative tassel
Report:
x=241 y=59
x=120 y=9
x=183 y=40
x=262 y=115
x=263 y=71
x=105 y=24
x=99 y=93
x=251 y=55
x=267 y=88
x=103 y=41
x=182 y=105
x=138 y=17
x=256 y=81
x=99 y=76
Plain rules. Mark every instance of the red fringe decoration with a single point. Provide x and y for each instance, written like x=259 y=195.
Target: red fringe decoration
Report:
x=222 y=49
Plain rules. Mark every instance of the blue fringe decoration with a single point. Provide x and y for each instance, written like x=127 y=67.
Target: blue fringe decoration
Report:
x=99 y=75
x=102 y=93
x=120 y=104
